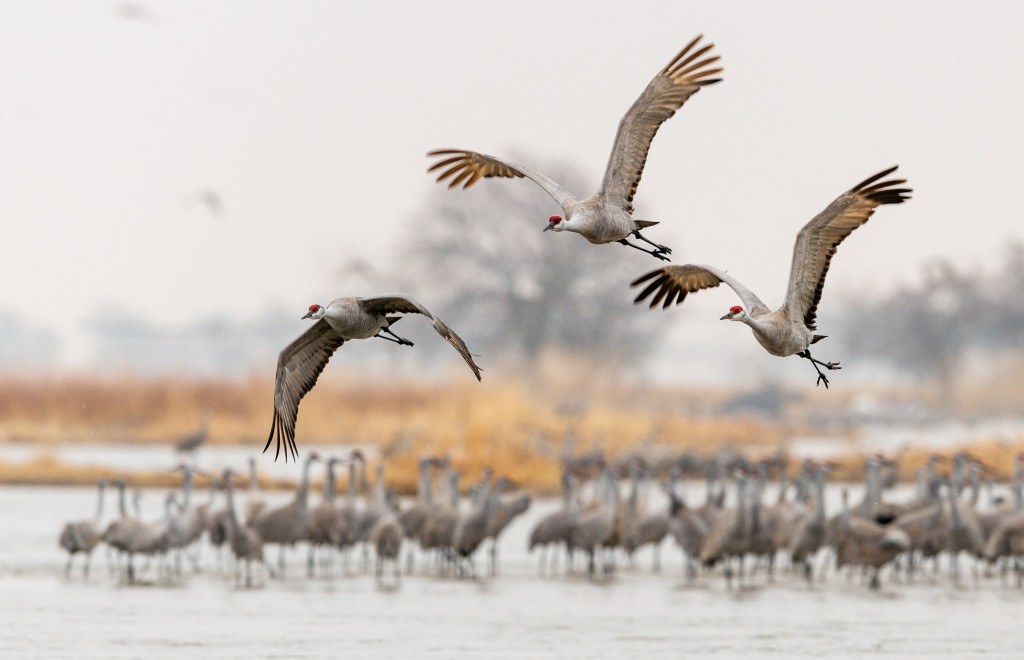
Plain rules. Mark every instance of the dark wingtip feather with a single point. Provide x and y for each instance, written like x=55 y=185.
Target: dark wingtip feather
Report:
x=871 y=179
x=646 y=276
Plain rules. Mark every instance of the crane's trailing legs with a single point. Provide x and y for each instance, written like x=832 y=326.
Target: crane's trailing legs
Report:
x=658 y=254
x=395 y=338
x=661 y=248
x=806 y=353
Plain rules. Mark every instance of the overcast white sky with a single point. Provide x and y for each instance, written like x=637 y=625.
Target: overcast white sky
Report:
x=311 y=120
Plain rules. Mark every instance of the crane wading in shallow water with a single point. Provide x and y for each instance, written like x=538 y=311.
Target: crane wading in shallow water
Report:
x=788 y=330
x=606 y=216
x=300 y=363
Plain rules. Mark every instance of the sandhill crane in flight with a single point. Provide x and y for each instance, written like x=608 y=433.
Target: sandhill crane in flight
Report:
x=790 y=329
x=606 y=216
x=300 y=363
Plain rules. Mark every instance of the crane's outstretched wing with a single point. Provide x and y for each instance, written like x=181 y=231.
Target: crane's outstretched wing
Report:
x=391 y=304
x=671 y=284
x=819 y=238
x=468 y=167
x=685 y=74
x=298 y=367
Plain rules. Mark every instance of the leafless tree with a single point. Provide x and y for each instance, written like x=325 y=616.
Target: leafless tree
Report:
x=927 y=329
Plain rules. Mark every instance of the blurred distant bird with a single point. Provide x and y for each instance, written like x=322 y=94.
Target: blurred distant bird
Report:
x=192 y=441
x=134 y=11
x=211 y=200
x=606 y=216
x=790 y=329
x=300 y=363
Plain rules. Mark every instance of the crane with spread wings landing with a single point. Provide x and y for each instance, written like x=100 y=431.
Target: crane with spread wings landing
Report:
x=301 y=362
x=606 y=216
x=788 y=330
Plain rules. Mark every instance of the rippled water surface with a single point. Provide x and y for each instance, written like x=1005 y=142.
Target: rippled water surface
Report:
x=514 y=615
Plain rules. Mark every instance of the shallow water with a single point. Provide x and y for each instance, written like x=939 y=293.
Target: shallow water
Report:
x=515 y=615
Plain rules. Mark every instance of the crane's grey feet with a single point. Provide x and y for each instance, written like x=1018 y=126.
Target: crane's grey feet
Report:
x=658 y=248
x=657 y=254
x=831 y=366
x=401 y=341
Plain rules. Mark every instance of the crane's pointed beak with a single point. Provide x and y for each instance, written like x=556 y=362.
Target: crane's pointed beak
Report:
x=727 y=317
x=547 y=228
x=308 y=314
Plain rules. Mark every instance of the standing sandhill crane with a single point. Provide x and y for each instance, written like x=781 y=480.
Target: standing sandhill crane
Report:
x=964 y=531
x=218 y=525
x=439 y=528
x=688 y=528
x=246 y=544
x=413 y=518
x=371 y=513
x=926 y=528
x=325 y=526
x=1007 y=537
x=193 y=441
x=556 y=527
x=348 y=514
x=83 y=535
x=386 y=537
x=187 y=525
x=506 y=509
x=606 y=216
x=472 y=529
x=594 y=529
x=729 y=536
x=288 y=524
x=863 y=542
x=254 y=502
x=300 y=363
x=790 y=329
x=808 y=534
x=647 y=529
x=133 y=536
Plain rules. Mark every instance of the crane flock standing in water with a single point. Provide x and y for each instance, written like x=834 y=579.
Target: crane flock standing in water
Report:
x=748 y=537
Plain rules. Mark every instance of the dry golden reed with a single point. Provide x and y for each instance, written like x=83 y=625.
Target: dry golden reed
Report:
x=517 y=428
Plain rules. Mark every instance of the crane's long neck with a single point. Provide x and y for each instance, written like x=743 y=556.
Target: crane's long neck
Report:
x=330 y=487
x=921 y=485
x=424 y=486
x=453 y=489
x=758 y=326
x=954 y=508
x=755 y=501
x=99 y=505
x=741 y=496
x=819 y=489
x=379 y=494
x=844 y=518
x=254 y=480
x=958 y=472
x=975 y=486
x=229 y=492
x=303 y=492
x=783 y=481
x=186 y=487
x=121 y=500
x=350 y=494
x=870 y=475
x=634 y=491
